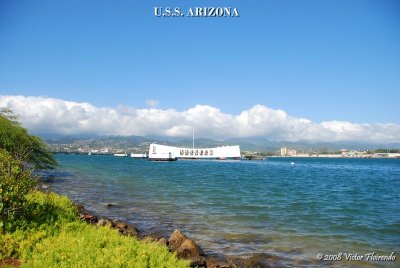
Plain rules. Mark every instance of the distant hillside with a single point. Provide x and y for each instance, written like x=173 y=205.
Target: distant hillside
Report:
x=259 y=144
x=263 y=144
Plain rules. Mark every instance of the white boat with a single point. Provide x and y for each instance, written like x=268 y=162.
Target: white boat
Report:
x=121 y=155
x=138 y=155
x=159 y=152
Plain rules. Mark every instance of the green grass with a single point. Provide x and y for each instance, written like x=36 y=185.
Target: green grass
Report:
x=53 y=236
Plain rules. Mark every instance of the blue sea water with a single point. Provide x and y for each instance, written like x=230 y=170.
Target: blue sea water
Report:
x=292 y=211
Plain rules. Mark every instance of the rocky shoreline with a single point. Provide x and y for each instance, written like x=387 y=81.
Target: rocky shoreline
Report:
x=181 y=245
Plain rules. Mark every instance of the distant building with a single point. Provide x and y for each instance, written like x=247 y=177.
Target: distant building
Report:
x=288 y=152
x=353 y=153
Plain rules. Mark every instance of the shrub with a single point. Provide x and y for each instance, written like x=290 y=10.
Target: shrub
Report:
x=82 y=245
x=55 y=237
x=16 y=182
x=49 y=209
x=43 y=216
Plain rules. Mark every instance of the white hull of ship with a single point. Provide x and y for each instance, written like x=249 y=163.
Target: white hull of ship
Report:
x=157 y=151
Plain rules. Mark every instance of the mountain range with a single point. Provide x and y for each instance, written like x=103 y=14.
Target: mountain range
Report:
x=259 y=144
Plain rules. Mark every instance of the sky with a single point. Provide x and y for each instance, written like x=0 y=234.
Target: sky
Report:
x=319 y=63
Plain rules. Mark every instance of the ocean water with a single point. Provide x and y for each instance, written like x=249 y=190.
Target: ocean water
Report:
x=240 y=208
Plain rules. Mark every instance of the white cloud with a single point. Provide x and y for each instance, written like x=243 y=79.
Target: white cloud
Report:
x=49 y=115
x=152 y=103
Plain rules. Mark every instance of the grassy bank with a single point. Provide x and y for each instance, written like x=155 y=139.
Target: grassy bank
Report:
x=43 y=229
x=55 y=237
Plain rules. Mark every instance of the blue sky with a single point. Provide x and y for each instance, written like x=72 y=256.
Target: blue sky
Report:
x=321 y=60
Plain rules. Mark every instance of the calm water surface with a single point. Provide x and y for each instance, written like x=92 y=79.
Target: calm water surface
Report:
x=245 y=207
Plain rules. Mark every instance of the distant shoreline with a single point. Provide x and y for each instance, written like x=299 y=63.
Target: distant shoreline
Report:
x=373 y=156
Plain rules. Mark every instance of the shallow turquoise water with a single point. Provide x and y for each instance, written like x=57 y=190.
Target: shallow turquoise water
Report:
x=245 y=207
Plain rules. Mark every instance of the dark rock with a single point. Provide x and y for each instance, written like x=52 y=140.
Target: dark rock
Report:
x=197 y=262
x=189 y=249
x=186 y=248
x=212 y=262
x=105 y=222
x=176 y=239
x=256 y=264
x=112 y=206
x=123 y=228
x=120 y=225
x=160 y=240
x=89 y=218
x=131 y=230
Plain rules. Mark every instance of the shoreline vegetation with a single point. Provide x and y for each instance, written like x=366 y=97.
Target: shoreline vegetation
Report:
x=43 y=229
x=56 y=236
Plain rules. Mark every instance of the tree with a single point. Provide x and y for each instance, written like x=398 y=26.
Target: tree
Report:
x=21 y=145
